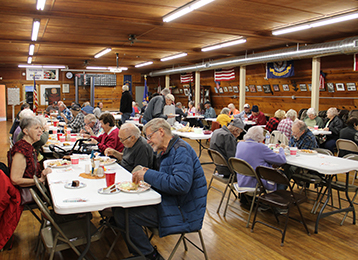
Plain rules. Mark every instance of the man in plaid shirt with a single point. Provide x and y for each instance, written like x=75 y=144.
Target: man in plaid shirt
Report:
x=285 y=126
x=65 y=113
x=302 y=137
x=78 y=122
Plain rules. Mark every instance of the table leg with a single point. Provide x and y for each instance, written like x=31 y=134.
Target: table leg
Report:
x=88 y=221
x=326 y=214
x=202 y=147
x=129 y=241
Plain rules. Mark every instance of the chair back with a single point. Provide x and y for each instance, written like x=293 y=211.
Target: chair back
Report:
x=242 y=167
x=347 y=145
x=270 y=174
x=218 y=159
x=43 y=190
x=351 y=156
x=215 y=125
x=323 y=151
x=278 y=137
x=353 y=113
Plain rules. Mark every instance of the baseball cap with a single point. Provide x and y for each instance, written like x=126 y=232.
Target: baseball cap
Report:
x=207 y=102
x=76 y=107
x=88 y=109
x=246 y=106
x=255 y=108
x=237 y=122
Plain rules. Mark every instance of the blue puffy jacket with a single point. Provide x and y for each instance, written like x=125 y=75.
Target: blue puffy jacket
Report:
x=182 y=184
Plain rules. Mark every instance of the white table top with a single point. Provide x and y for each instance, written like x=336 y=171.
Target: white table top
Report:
x=321 y=132
x=321 y=163
x=211 y=119
x=249 y=122
x=117 y=117
x=196 y=116
x=192 y=135
x=94 y=200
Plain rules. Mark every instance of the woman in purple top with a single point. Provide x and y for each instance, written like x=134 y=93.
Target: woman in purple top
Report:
x=255 y=153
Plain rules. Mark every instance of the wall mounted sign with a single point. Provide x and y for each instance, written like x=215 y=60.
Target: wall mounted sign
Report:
x=42 y=74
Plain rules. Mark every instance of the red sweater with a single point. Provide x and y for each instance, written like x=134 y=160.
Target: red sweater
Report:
x=109 y=140
x=260 y=119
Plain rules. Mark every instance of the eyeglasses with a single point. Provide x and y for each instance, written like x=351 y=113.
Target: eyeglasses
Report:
x=122 y=140
x=148 y=137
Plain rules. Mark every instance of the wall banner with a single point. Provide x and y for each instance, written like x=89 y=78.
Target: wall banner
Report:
x=42 y=74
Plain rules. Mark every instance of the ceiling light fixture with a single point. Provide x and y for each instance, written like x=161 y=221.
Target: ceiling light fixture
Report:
x=41 y=4
x=103 y=52
x=42 y=66
x=31 y=49
x=185 y=9
x=317 y=23
x=144 y=64
x=174 y=56
x=223 y=45
x=35 y=30
x=111 y=69
x=29 y=60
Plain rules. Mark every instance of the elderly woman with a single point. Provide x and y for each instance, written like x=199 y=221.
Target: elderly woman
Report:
x=312 y=119
x=24 y=113
x=192 y=109
x=275 y=120
x=233 y=110
x=224 y=119
x=110 y=137
x=285 y=125
x=335 y=125
x=23 y=162
x=255 y=153
x=349 y=133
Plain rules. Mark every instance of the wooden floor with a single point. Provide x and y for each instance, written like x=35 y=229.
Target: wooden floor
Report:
x=225 y=238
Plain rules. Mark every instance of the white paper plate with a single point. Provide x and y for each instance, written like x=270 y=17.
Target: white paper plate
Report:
x=68 y=185
x=107 y=192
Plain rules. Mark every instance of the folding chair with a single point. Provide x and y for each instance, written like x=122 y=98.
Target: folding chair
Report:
x=345 y=146
x=278 y=138
x=183 y=237
x=242 y=167
x=220 y=161
x=61 y=236
x=282 y=199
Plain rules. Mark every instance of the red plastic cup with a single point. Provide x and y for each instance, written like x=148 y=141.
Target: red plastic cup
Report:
x=110 y=177
x=293 y=151
x=316 y=127
x=193 y=114
x=55 y=123
x=73 y=138
x=62 y=138
x=75 y=160
x=54 y=131
x=58 y=136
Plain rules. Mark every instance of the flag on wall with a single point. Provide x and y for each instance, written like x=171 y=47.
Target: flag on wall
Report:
x=224 y=74
x=321 y=80
x=279 y=69
x=35 y=98
x=355 y=66
x=145 y=94
x=127 y=80
x=187 y=77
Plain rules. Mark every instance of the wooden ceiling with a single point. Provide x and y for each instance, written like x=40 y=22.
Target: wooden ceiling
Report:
x=73 y=31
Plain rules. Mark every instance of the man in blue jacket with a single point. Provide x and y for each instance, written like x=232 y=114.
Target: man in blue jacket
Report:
x=181 y=182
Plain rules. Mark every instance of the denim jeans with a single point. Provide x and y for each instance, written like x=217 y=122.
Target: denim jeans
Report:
x=125 y=117
x=138 y=217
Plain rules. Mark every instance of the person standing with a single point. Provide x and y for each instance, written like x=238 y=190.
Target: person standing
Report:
x=126 y=104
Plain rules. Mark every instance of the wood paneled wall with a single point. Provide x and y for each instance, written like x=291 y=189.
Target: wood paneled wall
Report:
x=338 y=69
x=110 y=96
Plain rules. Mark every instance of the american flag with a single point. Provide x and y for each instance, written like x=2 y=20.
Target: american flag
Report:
x=145 y=94
x=321 y=80
x=186 y=78
x=35 y=98
x=224 y=74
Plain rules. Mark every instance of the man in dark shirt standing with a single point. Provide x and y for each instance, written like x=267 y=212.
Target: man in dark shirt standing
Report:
x=126 y=104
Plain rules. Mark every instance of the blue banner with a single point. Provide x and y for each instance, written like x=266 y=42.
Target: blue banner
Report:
x=145 y=93
x=127 y=80
x=279 y=69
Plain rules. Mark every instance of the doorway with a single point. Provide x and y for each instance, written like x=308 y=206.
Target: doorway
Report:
x=2 y=103
x=139 y=95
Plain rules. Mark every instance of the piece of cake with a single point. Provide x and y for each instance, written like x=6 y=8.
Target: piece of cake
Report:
x=75 y=183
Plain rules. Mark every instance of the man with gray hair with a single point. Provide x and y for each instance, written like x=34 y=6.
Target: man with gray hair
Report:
x=181 y=183
x=156 y=106
x=302 y=137
x=224 y=141
x=65 y=113
x=92 y=125
x=285 y=125
x=126 y=104
x=136 y=150
x=179 y=111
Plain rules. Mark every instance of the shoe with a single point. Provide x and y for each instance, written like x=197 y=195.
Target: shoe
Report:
x=154 y=255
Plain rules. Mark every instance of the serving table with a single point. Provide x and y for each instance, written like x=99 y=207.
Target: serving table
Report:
x=87 y=199
x=329 y=166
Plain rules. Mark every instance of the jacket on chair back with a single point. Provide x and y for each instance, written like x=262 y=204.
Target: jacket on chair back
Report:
x=182 y=184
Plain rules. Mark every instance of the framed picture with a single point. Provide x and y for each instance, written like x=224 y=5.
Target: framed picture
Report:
x=309 y=87
x=65 y=88
x=252 y=88
x=351 y=86
x=49 y=94
x=285 y=87
x=216 y=90
x=340 y=86
x=186 y=91
x=276 y=87
x=259 y=88
x=267 y=88
x=330 y=87
x=225 y=89
x=181 y=90
x=247 y=89
x=303 y=87
x=221 y=90
x=236 y=90
x=230 y=89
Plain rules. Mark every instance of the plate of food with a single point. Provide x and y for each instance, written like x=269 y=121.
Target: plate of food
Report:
x=109 y=190
x=128 y=186
x=59 y=163
x=75 y=184
x=106 y=160
x=307 y=152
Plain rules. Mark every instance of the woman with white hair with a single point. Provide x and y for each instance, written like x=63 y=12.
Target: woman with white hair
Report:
x=335 y=125
x=24 y=113
x=285 y=125
x=255 y=153
x=312 y=119
x=233 y=110
x=224 y=119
